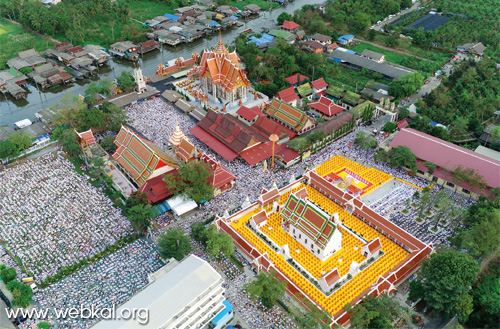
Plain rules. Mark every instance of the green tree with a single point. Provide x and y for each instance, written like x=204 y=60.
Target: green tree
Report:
x=199 y=233
x=21 y=140
x=8 y=274
x=298 y=144
x=464 y=307
x=447 y=277
x=174 y=244
x=365 y=141
x=430 y=166
x=266 y=287
x=126 y=81
x=469 y=176
x=389 y=127
x=115 y=116
x=139 y=215
x=8 y=149
x=402 y=156
x=108 y=144
x=21 y=292
x=218 y=242
x=360 y=21
x=486 y=302
x=416 y=290
x=43 y=325
x=313 y=318
x=68 y=141
x=371 y=35
x=376 y=312
x=403 y=113
x=192 y=180
x=407 y=85
x=284 y=16
x=90 y=118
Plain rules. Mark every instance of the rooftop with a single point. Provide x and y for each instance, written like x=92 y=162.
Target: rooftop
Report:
x=168 y=295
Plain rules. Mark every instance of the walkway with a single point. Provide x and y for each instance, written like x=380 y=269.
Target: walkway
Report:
x=415 y=186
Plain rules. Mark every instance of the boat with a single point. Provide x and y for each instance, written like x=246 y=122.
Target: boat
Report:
x=245 y=31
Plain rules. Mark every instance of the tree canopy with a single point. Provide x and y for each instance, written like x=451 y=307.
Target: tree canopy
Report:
x=447 y=278
x=406 y=85
x=365 y=141
x=174 y=244
x=402 y=156
x=8 y=274
x=192 y=180
x=22 y=293
x=266 y=287
x=218 y=242
x=377 y=312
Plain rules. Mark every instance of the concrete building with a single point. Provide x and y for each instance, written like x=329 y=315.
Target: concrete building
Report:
x=186 y=295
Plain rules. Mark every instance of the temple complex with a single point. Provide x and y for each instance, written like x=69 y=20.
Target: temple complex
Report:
x=221 y=76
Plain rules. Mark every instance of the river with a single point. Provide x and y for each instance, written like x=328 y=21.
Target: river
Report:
x=12 y=110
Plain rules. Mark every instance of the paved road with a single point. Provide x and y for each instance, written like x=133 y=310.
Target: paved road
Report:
x=396 y=17
x=433 y=83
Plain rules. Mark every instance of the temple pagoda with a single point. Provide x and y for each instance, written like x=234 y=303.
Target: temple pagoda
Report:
x=221 y=76
x=176 y=137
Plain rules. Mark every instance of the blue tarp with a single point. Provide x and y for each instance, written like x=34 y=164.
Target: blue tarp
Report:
x=345 y=38
x=161 y=208
x=171 y=17
x=351 y=52
x=259 y=41
x=214 y=24
x=234 y=18
x=434 y=123
x=226 y=310
x=42 y=137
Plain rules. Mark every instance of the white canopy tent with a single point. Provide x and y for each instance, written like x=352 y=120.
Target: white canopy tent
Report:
x=181 y=204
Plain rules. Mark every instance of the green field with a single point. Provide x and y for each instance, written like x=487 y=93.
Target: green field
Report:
x=14 y=39
x=264 y=5
x=144 y=10
x=427 y=66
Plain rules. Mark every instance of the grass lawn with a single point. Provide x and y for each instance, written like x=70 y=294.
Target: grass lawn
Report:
x=348 y=78
x=425 y=66
x=15 y=39
x=144 y=10
x=264 y=5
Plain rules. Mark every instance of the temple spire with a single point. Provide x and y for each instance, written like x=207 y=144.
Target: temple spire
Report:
x=220 y=48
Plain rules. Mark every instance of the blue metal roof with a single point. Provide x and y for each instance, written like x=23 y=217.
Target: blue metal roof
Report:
x=345 y=37
x=226 y=310
x=213 y=24
x=234 y=18
x=171 y=17
x=161 y=208
x=265 y=38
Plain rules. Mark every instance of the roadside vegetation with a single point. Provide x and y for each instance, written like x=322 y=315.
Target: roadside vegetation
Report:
x=15 y=39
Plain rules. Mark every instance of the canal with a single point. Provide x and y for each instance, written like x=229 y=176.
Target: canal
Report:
x=12 y=110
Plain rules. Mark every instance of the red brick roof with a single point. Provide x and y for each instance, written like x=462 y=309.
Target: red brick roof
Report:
x=313 y=44
x=87 y=137
x=287 y=154
x=260 y=217
x=288 y=94
x=326 y=106
x=402 y=124
x=319 y=84
x=447 y=155
x=374 y=245
x=333 y=46
x=289 y=25
x=293 y=78
x=332 y=277
x=249 y=113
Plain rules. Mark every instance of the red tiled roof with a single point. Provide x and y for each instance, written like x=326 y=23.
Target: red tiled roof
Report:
x=293 y=78
x=402 y=124
x=332 y=277
x=319 y=84
x=287 y=154
x=447 y=155
x=268 y=127
x=313 y=44
x=185 y=150
x=75 y=50
x=333 y=46
x=260 y=217
x=289 y=25
x=249 y=113
x=374 y=245
x=156 y=189
x=326 y=106
x=213 y=143
x=87 y=137
x=260 y=152
x=288 y=95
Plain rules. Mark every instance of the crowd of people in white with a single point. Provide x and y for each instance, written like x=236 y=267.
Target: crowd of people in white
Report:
x=110 y=281
x=52 y=217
